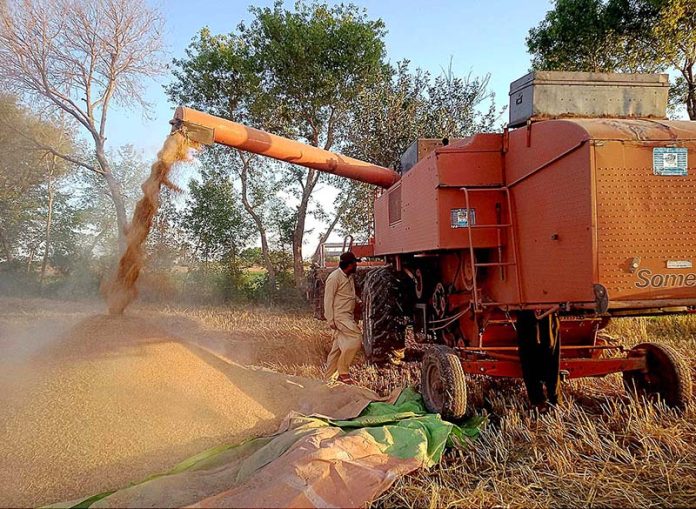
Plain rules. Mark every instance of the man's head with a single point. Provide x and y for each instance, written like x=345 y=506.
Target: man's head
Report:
x=348 y=263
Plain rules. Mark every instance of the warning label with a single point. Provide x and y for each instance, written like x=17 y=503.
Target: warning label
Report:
x=670 y=161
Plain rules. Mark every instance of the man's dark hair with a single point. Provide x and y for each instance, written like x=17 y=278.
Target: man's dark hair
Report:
x=346 y=264
x=347 y=259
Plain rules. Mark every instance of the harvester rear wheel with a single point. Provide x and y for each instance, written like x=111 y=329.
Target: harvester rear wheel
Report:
x=443 y=384
x=383 y=316
x=667 y=377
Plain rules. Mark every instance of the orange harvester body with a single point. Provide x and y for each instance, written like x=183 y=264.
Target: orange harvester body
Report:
x=585 y=217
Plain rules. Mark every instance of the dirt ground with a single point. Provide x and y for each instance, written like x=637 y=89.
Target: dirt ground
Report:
x=90 y=402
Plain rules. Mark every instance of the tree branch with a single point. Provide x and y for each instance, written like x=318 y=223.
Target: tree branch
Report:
x=58 y=154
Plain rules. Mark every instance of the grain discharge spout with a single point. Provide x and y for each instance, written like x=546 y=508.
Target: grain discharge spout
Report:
x=209 y=129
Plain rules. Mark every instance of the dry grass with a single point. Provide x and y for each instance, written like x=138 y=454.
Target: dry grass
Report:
x=600 y=449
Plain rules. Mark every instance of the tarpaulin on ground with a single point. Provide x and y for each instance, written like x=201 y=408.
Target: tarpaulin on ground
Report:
x=313 y=461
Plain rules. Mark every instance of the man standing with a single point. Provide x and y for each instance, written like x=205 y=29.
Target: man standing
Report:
x=339 y=307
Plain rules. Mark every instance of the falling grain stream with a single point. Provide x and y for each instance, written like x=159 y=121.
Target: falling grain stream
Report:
x=121 y=291
x=92 y=402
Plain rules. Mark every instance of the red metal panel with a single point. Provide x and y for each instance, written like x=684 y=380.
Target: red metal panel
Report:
x=483 y=205
x=551 y=192
x=529 y=148
x=418 y=228
x=426 y=208
x=576 y=368
x=476 y=161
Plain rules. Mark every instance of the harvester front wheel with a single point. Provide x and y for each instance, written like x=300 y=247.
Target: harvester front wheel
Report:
x=443 y=384
x=667 y=376
x=383 y=316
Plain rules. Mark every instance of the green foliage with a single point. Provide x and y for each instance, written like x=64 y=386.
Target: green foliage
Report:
x=675 y=34
x=287 y=71
x=595 y=36
x=620 y=35
x=399 y=107
x=213 y=218
x=311 y=62
x=24 y=171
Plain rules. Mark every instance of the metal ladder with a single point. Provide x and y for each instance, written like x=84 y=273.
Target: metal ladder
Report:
x=478 y=305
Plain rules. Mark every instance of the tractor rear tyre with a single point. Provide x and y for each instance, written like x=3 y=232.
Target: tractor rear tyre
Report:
x=384 y=331
x=443 y=384
x=667 y=377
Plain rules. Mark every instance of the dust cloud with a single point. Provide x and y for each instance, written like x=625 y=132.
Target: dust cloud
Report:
x=92 y=402
x=121 y=291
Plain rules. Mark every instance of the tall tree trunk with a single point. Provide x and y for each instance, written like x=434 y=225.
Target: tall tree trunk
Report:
x=266 y=255
x=265 y=251
x=299 y=230
x=324 y=237
x=30 y=261
x=5 y=247
x=116 y=196
x=688 y=73
x=49 y=221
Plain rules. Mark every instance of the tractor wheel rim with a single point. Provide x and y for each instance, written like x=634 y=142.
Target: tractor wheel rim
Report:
x=433 y=384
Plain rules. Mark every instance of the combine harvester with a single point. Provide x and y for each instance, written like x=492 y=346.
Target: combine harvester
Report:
x=584 y=207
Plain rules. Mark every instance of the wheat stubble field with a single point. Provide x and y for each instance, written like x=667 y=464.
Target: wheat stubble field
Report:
x=600 y=449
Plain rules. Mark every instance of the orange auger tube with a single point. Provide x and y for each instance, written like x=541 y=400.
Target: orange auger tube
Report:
x=210 y=129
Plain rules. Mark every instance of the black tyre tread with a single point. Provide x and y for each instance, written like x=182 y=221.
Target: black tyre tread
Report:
x=454 y=398
x=384 y=288
x=679 y=391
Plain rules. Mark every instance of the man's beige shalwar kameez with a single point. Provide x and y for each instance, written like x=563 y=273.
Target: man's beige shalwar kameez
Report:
x=339 y=305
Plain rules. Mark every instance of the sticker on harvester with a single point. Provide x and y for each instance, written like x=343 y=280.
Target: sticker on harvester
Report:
x=670 y=161
x=459 y=218
x=679 y=264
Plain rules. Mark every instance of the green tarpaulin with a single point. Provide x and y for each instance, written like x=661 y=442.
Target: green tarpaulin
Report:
x=313 y=461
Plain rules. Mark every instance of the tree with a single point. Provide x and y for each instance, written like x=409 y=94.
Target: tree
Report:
x=29 y=176
x=94 y=197
x=81 y=57
x=213 y=218
x=400 y=107
x=675 y=33
x=292 y=72
x=258 y=188
x=595 y=36
x=620 y=36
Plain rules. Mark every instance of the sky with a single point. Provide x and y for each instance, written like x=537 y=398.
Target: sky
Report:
x=475 y=36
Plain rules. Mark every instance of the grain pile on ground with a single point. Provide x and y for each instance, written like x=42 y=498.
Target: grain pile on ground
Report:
x=122 y=291
x=602 y=449
x=110 y=400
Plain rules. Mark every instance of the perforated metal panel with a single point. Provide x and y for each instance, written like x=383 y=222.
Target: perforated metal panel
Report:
x=645 y=222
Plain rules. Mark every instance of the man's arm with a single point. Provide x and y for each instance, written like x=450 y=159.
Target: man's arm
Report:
x=330 y=288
